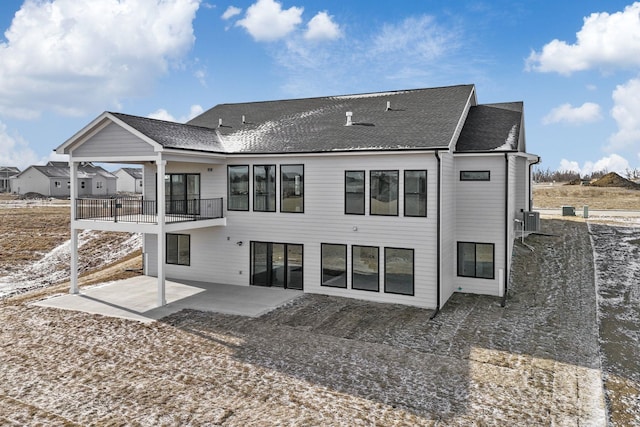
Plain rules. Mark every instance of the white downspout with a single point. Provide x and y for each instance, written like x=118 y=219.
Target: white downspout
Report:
x=162 y=240
x=73 y=249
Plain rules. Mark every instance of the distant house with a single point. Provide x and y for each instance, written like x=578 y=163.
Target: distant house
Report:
x=401 y=197
x=6 y=173
x=129 y=180
x=53 y=180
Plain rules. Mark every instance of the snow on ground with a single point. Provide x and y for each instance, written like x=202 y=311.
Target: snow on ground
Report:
x=325 y=360
x=617 y=275
x=334 y=361
x=53 y=267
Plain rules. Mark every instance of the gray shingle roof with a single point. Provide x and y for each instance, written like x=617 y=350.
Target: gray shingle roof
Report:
x=8 y=171
x=417 y=119
x=84 y=171
x=174 y=135
x=492 y=127
x=135 y=173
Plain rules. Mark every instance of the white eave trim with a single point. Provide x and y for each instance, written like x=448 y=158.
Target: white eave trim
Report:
x=471 y=101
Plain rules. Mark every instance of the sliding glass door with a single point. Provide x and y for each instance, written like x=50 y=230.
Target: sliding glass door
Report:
x=276 y=264
x=182 y=192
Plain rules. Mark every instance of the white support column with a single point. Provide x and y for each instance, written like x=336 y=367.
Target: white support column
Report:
x=162 y=240
x=73 y=196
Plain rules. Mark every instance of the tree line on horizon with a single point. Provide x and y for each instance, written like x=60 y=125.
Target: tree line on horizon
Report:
x=548 y=175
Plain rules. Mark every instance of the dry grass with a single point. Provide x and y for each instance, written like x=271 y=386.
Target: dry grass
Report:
x=558 y=195
x=28 y=233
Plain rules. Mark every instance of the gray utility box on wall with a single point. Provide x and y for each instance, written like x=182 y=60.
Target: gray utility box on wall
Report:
x=531 y=221
x=568 y=211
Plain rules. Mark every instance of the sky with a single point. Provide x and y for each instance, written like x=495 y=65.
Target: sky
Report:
x=574 y=63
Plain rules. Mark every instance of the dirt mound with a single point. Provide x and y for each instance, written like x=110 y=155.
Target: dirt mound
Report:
x=612 y=179
x=33 y=196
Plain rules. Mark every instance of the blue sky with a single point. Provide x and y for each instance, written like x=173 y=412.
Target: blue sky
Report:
x=575 y=64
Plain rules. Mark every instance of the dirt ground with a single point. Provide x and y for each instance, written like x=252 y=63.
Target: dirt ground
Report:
x=334 y=361
x=547 y=196
x=33 y=251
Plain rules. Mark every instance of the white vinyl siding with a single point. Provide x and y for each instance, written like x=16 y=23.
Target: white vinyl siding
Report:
x=217 y=256
x=113 y=141
x=479 y=217
x=447 y=227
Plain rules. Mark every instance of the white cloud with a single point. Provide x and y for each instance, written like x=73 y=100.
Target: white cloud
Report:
x=418 y=51
x=201 y=75
x=265 y=20
x=162 y=114
x=15 y=151
x=612 y=163
x=586 y=113
x=419 y=37
x=231 y=12
x=605 y=41
x=68 y=56
x=569 y=166
x=322 y=27
x=626 y=113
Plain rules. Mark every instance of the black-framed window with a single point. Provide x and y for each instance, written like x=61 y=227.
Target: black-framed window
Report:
x=415 y=193
x=384 y=192
x=179 y=249
x=57 y=184
x=292 y=188
x=334 y=265
x=99 y=184
x=354 y=192
x=476 y=260
x=365 y=268
x=399 y=271
x=264 y=188
x=238 y=188
x=475 y=175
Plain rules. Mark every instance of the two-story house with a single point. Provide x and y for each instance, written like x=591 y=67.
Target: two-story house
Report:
x=403 y=197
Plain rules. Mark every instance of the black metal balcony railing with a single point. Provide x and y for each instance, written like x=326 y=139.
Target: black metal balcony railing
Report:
x=144 y=211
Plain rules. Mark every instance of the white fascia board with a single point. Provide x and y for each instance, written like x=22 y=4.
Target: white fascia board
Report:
x=128 y=227
x=338 y=153
x=119 y=160
x=188 y=156
x=487 y=154
x=471 y=101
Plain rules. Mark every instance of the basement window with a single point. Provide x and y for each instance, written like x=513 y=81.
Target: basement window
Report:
x=334 y=265
x=365 y=268
x=179 y=249
x=476 y=260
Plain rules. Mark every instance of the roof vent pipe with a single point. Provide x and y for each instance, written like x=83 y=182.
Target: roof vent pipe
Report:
x=220 y=123
x=243 y=121
x=388 y=106
x=349 y=115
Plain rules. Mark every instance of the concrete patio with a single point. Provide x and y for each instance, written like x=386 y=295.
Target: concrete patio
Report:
x=136 y=299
